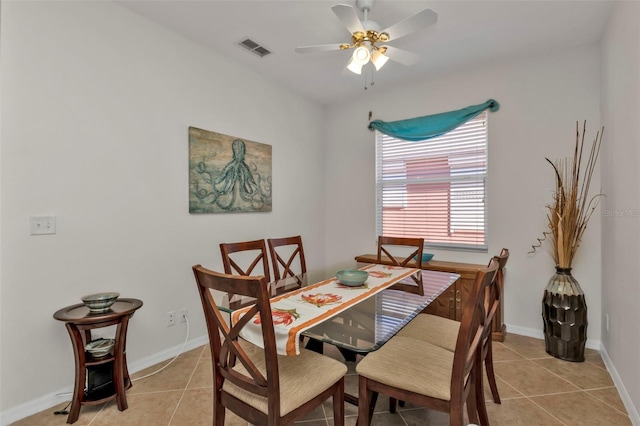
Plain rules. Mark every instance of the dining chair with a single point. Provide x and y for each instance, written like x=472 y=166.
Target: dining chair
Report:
x=250 y=253
x=443 y=332
x=256 y=383
x=284 y=252
x=424 y=374
x=395 y=250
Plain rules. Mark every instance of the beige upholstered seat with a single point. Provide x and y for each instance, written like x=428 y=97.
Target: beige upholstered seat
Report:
x=434 y=379
x=436 y=330
x=256 y=383
x=413 y=370
x=296 y=386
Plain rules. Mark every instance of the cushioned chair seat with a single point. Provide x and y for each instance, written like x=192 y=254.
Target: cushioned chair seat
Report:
x=297 y=384
x=436 y=330
x=426 y=370
x=255 y=383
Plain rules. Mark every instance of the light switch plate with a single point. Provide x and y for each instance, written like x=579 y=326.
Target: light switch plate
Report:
x=43 y=225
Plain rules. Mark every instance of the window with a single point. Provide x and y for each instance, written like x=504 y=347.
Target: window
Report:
x=434 y=189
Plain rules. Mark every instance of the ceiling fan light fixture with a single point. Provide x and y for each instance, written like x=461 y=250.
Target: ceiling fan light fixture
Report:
x=361 y=55
x=354 y=66
x=378 y=59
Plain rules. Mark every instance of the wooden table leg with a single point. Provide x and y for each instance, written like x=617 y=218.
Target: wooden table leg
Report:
x=118 y=364
x=81 y=372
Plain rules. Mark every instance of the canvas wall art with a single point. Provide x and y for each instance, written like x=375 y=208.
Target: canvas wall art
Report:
x=228 y=174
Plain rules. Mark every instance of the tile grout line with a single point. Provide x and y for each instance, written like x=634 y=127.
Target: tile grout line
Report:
x=557 y=375
x=508 y=384
x=545 y=410
x=584 y=390
x=510 y=350
x=531 y=400
x=597 y=365
x=606 y=403
x=554 y=393
x=175 y=410
x=96 y=416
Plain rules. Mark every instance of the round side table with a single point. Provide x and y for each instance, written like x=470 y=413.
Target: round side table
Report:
x=109 y=373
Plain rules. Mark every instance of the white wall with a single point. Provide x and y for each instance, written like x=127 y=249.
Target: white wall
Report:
x=620 y=179
x=541 y=99
x=96 y=102
x=95 y=106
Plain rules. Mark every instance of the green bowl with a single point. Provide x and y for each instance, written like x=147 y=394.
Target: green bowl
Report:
x=425 y=257
x=352 y=277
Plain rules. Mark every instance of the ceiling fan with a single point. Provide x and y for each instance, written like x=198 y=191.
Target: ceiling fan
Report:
x=367 y=37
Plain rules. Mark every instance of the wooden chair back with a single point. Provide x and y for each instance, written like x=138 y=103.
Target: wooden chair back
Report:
x=388 y=246
x=384 y=249
x=226 y=350
x=492 y=296
x=492 y=305
x=284 y=252
x=473 y=328
x=251 y=253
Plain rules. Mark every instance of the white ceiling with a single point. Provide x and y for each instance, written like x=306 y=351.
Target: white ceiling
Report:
x=467 y=33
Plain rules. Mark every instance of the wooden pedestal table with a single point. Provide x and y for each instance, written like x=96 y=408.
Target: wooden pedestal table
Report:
x=79 y=322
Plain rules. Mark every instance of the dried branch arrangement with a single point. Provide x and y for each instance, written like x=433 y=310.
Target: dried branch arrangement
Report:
x=571 y=207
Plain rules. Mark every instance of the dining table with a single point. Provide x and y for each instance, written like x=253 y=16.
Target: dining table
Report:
x=360 y=321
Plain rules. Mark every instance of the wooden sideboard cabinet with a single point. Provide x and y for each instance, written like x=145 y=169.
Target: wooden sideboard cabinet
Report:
x=450 y=303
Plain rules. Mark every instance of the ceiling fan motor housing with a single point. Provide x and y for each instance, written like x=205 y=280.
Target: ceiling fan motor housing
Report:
x=371 y=26
x=365 y=4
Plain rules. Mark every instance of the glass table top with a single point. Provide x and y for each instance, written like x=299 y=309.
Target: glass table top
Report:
x=367 y=325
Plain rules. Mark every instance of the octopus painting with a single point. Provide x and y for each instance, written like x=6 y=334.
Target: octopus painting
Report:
x=228 y=174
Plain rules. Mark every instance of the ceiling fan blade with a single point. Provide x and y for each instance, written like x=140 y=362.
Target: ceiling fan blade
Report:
x=318 y=48
x=349 y=17
x=413 y=23
x=401 y=56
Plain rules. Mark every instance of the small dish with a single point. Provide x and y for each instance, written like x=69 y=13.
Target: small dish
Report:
x=100 y=347
x=100 y=302
x=352 y=277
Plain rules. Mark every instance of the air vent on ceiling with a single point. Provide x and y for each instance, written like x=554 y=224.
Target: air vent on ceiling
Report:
x=254 y=47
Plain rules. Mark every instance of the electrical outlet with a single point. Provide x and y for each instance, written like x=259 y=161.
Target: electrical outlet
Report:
x=184 y=314
x=171 y=318
x=43 y=225
x=606 y=316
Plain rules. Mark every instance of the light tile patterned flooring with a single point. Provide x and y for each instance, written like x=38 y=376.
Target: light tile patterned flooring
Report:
x=536 y=389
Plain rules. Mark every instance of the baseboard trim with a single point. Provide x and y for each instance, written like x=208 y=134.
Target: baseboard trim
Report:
x=44 y=402
x=624 y=395
x=538 y=334
x=597 y=345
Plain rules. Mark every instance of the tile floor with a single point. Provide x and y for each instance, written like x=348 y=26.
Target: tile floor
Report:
x=536 y=389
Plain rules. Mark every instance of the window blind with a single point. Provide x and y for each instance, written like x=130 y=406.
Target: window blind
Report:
x=434 y=189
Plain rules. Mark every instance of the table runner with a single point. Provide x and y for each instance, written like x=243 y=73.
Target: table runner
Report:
x=299 y=310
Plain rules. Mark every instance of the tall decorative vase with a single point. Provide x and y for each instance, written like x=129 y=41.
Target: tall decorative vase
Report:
x=564 y=313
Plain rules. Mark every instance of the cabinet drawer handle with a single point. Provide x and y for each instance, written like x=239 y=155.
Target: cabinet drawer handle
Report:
x=458 y=299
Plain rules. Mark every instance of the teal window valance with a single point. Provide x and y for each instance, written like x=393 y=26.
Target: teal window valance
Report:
x=431 y=126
